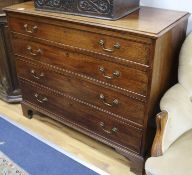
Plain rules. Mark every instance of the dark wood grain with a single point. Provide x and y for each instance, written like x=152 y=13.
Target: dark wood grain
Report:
x=126 y=108
x=79 y=114
x=130 y=80
x=61 y=71
x=130 y=50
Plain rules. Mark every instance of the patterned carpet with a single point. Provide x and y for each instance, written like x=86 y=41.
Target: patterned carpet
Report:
x=8 y=167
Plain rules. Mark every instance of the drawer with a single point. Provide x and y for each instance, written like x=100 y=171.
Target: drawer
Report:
x=115 y=75
x=90 y=120
x=103 y=99
x=96 y=43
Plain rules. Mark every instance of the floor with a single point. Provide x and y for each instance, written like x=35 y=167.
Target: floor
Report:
x=77 y=144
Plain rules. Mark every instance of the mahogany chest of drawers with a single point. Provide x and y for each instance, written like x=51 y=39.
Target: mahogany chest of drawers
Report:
x=102 y=78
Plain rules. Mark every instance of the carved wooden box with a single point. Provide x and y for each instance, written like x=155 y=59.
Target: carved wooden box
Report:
x=106 y=9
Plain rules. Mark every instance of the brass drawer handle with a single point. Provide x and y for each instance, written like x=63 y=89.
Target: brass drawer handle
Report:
x=42 y=100
x=115 y=46
x=34 y=52
x=34 y=74
x=32 y=30
x=113 y=130
x=116 y=73
x=115 y=101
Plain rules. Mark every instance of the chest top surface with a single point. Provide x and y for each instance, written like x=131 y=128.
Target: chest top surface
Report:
x=149 y=21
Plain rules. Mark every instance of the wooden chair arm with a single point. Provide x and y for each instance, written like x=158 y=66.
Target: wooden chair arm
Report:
x=161 y=120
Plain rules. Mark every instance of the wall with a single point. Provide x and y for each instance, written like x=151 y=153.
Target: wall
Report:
x=182 y=5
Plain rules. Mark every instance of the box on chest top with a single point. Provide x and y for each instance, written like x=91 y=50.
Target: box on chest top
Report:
x=106 y=9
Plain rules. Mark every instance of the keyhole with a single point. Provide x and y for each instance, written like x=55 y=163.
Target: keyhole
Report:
x=67 y=54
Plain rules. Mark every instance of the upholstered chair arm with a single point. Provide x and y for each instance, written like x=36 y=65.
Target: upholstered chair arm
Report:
x=174 y=120
x=161 y=120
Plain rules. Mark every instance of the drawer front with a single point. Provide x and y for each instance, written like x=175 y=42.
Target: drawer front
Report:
x=103 y=99
x=125 y=78
x=75 y=38
x=90 y=119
